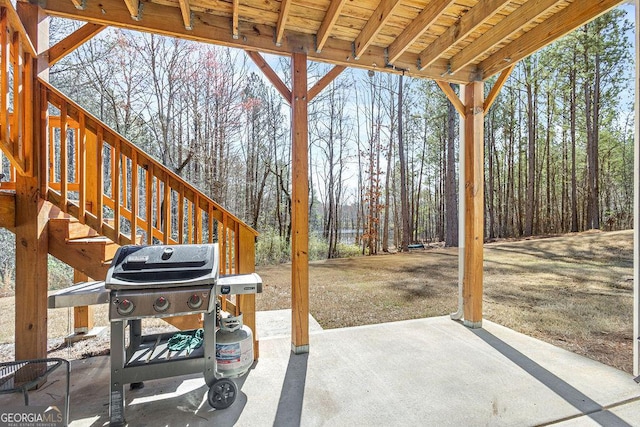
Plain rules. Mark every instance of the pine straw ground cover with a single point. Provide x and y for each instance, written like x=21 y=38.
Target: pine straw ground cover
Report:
x=574 y=291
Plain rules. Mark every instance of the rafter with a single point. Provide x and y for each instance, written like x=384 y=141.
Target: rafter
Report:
x=480 y=13
x=418 y=27
x=495 y=90
x=328 y=22
x=185 y=8
x=134 y=8
x=162 y=19
x=324 y=81
x=522 y=16
x=234 y=19
x=271 y=75
x=282 y=20
x=72 y=41
x=374 y=25
x=565 y=21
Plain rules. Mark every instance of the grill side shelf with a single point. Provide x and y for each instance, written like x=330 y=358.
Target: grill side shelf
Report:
x=84 y=293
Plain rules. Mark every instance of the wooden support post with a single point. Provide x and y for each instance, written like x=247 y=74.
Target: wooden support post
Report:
x=82 y=316
x=247 y=303
x=474 y=204
x=31 y=211
x=300 y=207
x=636 y=202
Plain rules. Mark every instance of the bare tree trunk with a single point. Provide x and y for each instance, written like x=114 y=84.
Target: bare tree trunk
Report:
x=406 y=231
x=451 y=201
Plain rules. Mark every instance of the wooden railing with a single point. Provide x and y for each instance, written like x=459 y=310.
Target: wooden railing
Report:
x=137 y=197
x=16 y=92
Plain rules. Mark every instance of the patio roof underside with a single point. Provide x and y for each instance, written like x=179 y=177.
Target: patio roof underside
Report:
x=452 y=40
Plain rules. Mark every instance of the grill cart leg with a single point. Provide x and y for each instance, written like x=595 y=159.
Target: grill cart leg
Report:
x=116 y=397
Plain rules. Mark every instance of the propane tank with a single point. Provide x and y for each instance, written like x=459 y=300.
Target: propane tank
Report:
x=234 y=347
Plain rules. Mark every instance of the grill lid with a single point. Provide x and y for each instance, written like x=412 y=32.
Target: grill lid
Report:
x=162 y=266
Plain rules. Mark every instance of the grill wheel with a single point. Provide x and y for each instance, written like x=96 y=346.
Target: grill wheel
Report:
x=222 y=393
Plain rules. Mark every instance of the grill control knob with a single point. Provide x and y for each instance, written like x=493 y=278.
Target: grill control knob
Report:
x=161 y=304
x=125 y=307
x=194 y=302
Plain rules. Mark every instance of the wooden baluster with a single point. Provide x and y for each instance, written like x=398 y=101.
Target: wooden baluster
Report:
x=198 y=213
x=116 y=169
x=29 y=117
x=134 y=197
x=159 y=196
x=167 y=210
x=124 y=170
x=222 y=237
x=181 y=214
x=190 y=238
x=236 y=246
x=210 y=219
x=100 y=180
x=18 y=106
x=54 y=123
x=64 y=167
x=81 y=172
x=149 y=202
x=4 y=78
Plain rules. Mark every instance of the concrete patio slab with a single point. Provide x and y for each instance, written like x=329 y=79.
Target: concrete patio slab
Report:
x=427 y=372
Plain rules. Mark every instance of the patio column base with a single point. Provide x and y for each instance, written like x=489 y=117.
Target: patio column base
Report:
x=473 y=325
x=300 y=349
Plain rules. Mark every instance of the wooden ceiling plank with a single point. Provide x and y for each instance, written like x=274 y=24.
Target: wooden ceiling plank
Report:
x=478 y=15
x=418 y=27
x=379 y=18
x=185 y=9
x=134 y=8
x=522 y=16
x=271 y=75
x=73 y=41
x=568 y=19
x=451 y=96
x=162 y=19
x=234 y=19
x=285 y=5
x=324 y=81
x=495 y=90
x=328 y=22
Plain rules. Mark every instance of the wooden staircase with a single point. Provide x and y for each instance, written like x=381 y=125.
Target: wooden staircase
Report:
x=99 y=189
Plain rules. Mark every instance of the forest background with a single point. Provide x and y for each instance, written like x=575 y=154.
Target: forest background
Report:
x=558 y=140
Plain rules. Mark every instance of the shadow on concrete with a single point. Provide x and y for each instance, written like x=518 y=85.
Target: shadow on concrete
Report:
x=573 y=396
x=292 y=395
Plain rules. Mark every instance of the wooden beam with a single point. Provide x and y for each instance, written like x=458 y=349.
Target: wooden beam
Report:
x=161 y=19
x=495 y=90
x=235 y=32
x=373 y=26
x=471 y=20
x=328 y=22
x=32 y=211
x=451 y=96
x=568 y=19
x=282 y=20
x=418 y=27
x=79 y=4
x=134 y=8
x=474 y=205
x=7 y=210
x=271 y=75
x=325 y=80
x=300 y=207
x=185 y=9
x=73 y=41
x=504 y=29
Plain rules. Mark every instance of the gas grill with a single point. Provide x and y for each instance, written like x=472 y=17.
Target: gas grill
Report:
x=162 y=281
